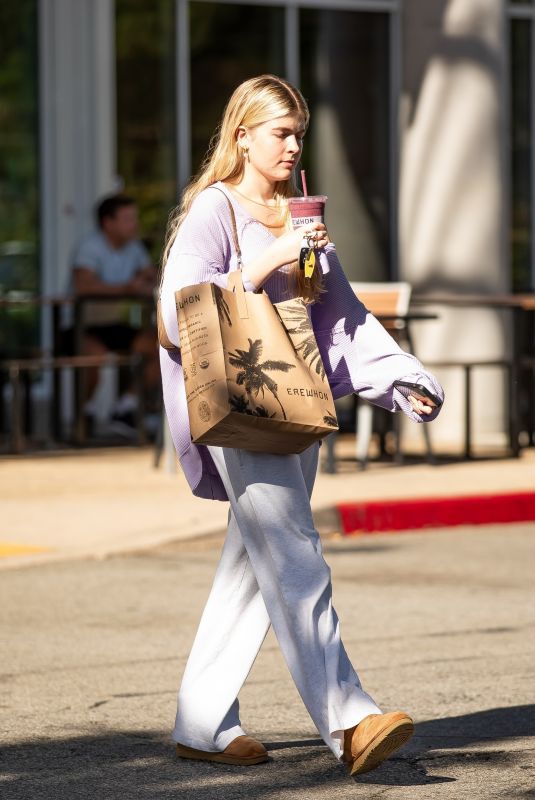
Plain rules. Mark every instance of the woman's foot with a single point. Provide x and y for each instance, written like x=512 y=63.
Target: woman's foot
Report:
x=374 y=739
x=242 y=751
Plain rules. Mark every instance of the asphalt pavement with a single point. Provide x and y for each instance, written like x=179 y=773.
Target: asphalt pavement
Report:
x=439 y=623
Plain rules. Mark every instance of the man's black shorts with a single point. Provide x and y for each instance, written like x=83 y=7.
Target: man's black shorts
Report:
x=116 y=338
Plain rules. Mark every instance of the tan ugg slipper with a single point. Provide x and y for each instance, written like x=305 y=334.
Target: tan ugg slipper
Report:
x=374 y=739
x=242 y=751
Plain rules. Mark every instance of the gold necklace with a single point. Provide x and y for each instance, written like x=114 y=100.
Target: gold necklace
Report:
x=256 y=202
x=264 y=205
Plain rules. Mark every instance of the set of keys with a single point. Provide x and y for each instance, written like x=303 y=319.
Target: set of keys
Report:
x=307 y=255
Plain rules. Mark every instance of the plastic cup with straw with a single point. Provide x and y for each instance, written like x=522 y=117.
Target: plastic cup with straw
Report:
x=306 y=209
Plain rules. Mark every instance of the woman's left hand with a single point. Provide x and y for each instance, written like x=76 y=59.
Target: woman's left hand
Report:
x=316 y=234
x=421 y=404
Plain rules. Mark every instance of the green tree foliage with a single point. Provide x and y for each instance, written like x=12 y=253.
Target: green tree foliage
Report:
x=19 y=181
x=19 y=135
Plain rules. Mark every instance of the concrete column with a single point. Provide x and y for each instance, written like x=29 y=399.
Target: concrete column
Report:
x=77 y=67
x=453 y=202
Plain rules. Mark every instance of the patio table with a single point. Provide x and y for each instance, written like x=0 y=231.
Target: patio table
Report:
x=522 y=308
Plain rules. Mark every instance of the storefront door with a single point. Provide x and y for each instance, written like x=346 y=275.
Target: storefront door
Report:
x=522 y=143
x=341 y=57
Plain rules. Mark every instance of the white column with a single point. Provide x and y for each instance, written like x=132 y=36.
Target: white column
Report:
x=78 y=162
x=183 y=82
x=453 y=211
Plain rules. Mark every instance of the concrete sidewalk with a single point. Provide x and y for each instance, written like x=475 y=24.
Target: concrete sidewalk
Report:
x=95 y=503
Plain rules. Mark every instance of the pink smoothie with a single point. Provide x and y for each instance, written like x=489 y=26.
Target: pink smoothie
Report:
x=305 y=210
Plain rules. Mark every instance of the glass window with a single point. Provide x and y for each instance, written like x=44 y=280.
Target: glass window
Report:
x=345 y=78
x=521 y=138
x=229 y=43
x=19 y=184
x=146 y=111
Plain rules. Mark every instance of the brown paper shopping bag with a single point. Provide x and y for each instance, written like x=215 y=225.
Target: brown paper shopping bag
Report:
x=253 y=373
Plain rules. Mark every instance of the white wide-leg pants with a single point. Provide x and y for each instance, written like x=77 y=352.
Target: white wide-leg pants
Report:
x=271 y=570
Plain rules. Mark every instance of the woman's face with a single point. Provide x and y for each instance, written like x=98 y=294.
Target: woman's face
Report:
x=274 y=147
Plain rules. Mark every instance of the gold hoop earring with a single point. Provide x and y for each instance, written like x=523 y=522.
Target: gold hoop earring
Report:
x=245 y=152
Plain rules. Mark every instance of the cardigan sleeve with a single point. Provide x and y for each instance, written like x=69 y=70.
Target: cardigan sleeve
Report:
x=202 y=252
x=359 y=354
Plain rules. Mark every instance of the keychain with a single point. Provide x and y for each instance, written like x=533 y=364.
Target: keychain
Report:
x=310 y=263
x=307 y=256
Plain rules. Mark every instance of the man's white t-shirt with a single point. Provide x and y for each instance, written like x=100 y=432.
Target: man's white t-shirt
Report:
x=113 y=266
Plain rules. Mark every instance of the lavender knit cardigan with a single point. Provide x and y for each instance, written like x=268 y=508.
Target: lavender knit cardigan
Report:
x=359 y=355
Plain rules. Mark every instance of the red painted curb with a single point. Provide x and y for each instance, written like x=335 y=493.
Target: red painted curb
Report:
x=436 y=512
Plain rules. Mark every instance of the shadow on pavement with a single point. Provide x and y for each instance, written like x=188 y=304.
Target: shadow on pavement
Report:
x=113 y=764
x=433 y=737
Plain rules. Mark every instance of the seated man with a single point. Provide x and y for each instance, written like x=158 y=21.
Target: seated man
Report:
x=113 y=262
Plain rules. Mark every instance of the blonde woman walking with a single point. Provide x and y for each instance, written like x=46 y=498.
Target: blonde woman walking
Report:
x=272 y=571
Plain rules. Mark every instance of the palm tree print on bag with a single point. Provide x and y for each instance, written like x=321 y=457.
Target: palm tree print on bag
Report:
x=328 y=419
x=297 y=322
x=240 y=403
x=253 y=375
x=261 y=411
x=222 y=306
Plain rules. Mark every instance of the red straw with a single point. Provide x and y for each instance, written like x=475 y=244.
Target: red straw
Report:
x=304 y=182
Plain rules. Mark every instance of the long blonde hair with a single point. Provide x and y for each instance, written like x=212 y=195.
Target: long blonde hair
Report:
x=254 y=102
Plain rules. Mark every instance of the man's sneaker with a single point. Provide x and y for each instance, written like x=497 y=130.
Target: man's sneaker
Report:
x=123 y=425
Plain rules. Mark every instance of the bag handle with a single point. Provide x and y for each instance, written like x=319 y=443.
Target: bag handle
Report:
x=235 y=284
x=234 y=227
x=163 y=338
x=235 y=279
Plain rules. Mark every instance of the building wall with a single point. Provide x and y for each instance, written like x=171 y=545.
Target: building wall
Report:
x=453 y=196
x=453 y=203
